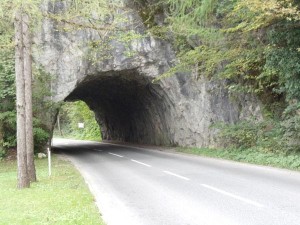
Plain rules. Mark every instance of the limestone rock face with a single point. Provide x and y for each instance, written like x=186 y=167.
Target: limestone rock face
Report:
x=115 y=79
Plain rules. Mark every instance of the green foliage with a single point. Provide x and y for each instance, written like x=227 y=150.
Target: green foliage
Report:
x=41 y=137
x=265 y=136
x=2 y=154
x=194 y=12
x=71 y=114
x=7 y=102
x=9 y=126
x=255 y=42
x=282 y=59
x=240 y=135
x=7 y=99
x=7 y=74
x=255 y=156
x=291 y=133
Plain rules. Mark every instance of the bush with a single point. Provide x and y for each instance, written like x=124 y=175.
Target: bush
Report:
x=269 y=139
x=2 y=153
x=267 y=136
x=41 y=137
x=291 y=133
x=240 y=135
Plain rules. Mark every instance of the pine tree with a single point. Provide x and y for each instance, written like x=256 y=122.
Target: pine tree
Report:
x=23 y=178
x=28 y=97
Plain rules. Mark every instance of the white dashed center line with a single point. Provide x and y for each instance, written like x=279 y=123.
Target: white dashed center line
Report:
x=115 y=154
x=248 y=201
x=176 y=175
x=97 y=150
x=144 y=164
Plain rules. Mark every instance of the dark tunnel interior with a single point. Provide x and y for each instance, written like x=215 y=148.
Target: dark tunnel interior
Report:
x=127 y=106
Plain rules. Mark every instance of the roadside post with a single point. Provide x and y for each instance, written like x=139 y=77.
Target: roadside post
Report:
x=49 y=161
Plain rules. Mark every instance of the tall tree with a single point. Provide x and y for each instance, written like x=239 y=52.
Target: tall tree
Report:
x=28 y=96
x=23 y=178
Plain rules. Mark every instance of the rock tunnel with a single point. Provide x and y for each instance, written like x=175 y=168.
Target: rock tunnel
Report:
x=127 y=106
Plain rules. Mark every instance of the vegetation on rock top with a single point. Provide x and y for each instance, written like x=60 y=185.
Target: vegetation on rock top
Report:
x=252 y=45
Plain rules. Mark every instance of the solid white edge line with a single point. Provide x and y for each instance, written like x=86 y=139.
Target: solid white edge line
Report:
x=115 y=154
x=176 y=175
x=248 y=201
x=144 y=164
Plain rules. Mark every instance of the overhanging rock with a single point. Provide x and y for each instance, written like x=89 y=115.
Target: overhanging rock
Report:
x=115 y=79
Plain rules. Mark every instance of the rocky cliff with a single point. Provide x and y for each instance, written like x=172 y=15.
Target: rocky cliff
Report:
x=113 y=75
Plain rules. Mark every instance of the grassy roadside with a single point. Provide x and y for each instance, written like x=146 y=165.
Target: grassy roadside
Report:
x=291 y=161
x=62 y=199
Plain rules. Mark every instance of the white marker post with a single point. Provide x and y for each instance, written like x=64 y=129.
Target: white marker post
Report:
x=49 y=161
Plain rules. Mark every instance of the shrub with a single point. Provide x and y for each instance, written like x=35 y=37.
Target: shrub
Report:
x=267 y=136
x=2 y=153
x=291 y=133
x=240 y=135
x=41 y=137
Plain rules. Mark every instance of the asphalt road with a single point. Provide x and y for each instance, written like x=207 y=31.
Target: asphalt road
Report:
x=137 y=186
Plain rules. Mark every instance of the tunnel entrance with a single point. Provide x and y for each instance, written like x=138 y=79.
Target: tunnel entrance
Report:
x=127 y=106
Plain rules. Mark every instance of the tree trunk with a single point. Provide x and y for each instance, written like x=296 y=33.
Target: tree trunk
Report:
x=58 y=125
x=1 y=137
x=28 y=97
x=23 y=179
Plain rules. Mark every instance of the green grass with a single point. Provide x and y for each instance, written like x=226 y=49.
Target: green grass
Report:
x=62 y=199
x=253 y=156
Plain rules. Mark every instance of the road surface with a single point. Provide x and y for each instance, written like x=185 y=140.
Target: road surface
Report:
x=137 y=186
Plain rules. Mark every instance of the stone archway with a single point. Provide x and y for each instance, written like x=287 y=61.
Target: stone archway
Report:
x=175 y=111
x=127 y=106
